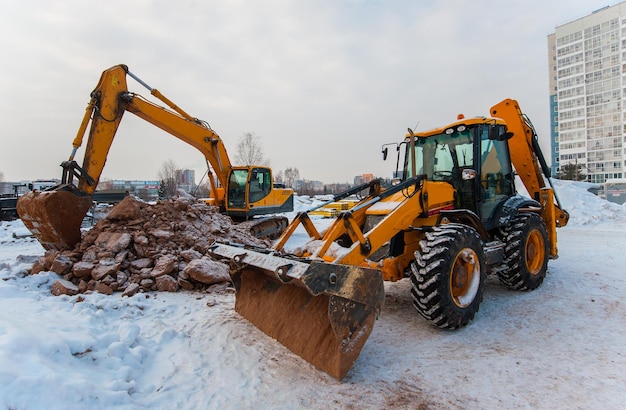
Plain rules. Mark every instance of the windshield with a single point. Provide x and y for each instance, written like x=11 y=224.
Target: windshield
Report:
x=439 y=156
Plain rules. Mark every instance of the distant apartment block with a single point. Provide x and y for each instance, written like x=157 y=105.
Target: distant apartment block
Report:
x=147 y=190
x=186 y=179
x=363 y=179
x=587 y=59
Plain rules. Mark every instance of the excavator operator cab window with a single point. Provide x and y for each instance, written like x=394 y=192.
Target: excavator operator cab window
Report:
x=260 y=184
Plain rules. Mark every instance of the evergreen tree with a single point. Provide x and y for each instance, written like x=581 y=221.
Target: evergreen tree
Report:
x=572 y=172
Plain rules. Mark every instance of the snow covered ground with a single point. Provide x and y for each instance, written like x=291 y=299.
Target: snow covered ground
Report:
x=562 y=346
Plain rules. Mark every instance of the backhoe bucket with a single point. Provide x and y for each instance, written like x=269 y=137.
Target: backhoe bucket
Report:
x=54 y=217
x=322 y=312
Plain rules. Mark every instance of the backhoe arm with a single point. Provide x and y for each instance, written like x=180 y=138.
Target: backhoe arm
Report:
x=531 y=166
x=527 y=157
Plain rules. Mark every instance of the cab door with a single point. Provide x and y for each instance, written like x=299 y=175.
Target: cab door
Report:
x=496 y=175
x=237 y=190
x=260 y=185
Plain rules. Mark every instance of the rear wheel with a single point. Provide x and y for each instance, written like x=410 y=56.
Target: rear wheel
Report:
x=448 y=275
x=526 y=252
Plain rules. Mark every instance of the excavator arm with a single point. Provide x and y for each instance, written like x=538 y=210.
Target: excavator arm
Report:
x=55 y=216
x=111 y=99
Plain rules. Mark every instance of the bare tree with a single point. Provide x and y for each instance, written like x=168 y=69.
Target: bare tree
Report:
x=278 y=177
x=1 y=176
x=290 y=176
x=167 y=176
x=203 y=190
x=250 y=150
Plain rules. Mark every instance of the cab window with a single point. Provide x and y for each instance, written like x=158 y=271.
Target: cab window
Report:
x=495 y=172
x=260 y=184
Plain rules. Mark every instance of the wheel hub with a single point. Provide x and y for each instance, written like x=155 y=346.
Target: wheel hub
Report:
x=465 y=278
x=534 y=252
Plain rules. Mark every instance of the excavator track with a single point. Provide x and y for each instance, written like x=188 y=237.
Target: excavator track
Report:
x=270 y=227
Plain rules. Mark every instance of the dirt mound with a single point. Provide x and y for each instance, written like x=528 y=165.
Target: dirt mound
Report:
x=142 y=247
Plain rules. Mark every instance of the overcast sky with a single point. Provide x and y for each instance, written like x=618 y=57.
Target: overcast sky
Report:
x=322 y=83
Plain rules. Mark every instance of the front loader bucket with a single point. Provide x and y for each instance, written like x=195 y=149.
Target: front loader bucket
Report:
x=322 y=312
x=54 y=217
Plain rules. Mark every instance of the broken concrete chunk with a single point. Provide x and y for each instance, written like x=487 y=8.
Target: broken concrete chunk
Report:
x=139 y=264
x=105 y=267
x=64 y=287
x=103 y=288
x=166 y=283
x=207 y=271
x=131 y=290
x=129 y=208
x=82 y=269
x=113 y=241
x=164 y=265
x=61 y=265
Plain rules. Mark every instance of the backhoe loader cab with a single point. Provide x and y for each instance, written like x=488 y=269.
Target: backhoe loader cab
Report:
x=453 y=217
x=473 y=157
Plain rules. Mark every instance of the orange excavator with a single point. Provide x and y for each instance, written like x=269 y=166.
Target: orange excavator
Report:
x=54 y=216
x=452 y=218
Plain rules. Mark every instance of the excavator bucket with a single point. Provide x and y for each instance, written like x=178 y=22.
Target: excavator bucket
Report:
x=55 y=216
x=322 y=312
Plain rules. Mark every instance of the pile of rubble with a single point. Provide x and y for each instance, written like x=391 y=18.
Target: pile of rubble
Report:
x=142 y=247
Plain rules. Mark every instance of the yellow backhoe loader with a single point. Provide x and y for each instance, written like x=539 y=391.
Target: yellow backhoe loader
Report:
x=454 y=217
x=54 y=216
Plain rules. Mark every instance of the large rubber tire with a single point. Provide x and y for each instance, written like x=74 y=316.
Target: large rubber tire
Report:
x=448 y=275
x=526 y=252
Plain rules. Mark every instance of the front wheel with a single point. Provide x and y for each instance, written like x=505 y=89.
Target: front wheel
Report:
x=448 y=275
x=526 y=252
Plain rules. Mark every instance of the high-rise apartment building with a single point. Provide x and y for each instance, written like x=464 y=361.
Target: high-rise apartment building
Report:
x=186 y=179
x=587 y=60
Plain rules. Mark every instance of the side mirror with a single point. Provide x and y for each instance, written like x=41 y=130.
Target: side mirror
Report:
x=495 y=134
x=507 y=136
x=468 y=174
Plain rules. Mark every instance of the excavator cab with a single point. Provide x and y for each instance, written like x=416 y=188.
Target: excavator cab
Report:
x=251 y=192
x=247 y=186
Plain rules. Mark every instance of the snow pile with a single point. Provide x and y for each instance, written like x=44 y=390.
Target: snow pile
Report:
x=142 y=247
x=584 y=207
